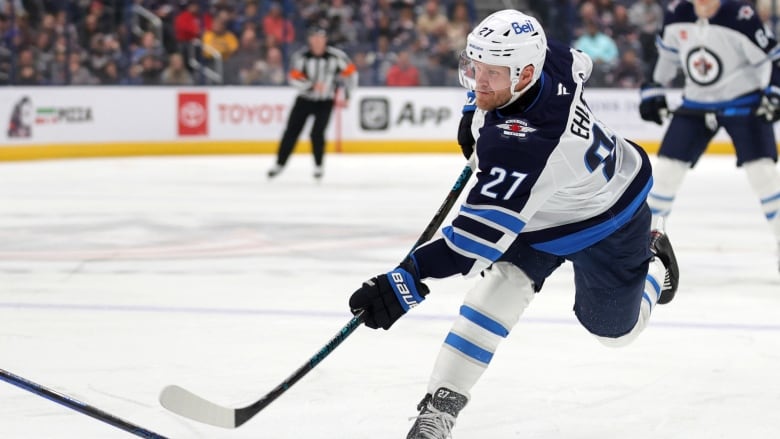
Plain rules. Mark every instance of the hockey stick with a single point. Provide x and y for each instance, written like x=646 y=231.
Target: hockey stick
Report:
x=192 y=406
x=76 y=405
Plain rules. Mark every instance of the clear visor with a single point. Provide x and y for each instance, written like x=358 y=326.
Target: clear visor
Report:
x=478 y=76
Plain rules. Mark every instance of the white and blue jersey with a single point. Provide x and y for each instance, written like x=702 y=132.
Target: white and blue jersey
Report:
x=548 y=174
x=721 y=56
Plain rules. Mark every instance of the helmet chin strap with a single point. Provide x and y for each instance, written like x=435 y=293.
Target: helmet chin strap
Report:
x=515 y=94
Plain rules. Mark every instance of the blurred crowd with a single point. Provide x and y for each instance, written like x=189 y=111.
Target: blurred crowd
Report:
x=249 y=42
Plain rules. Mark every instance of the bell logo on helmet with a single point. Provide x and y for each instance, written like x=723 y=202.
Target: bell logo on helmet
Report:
x=523 y=28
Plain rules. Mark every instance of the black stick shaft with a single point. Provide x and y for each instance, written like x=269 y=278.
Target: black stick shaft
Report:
x=246 y=413
x=76 y=405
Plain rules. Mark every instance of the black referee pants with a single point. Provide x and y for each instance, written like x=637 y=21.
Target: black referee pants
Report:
x=302 y=109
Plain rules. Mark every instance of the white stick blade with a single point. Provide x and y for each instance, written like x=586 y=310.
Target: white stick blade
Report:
x=185 y=403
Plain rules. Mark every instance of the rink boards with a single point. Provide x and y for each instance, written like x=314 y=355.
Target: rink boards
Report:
x=58 y=122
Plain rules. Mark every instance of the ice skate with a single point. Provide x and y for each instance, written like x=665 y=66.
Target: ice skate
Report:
x=437 y=415
x=318 y=172
x=662 y=248
x=275 y=170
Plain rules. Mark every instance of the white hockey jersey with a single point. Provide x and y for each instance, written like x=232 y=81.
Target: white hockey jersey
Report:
x=724 y=58
x=550 y=174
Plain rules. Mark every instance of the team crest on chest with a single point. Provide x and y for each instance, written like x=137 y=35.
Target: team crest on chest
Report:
x=516 y=128
x=704 y=67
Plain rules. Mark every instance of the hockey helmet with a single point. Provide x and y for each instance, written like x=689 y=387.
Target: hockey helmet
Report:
x=507 y=38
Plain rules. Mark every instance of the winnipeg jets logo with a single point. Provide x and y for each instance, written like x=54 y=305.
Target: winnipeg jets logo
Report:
x=704 y=67
x=516 y=128
x=745 y=13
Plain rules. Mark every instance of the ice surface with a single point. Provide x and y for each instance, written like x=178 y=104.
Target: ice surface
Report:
x=121 y=276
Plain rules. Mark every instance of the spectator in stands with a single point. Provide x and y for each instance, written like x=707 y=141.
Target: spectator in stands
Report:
x=271 y=70
x=605 y=9
x=622 y=29
x=433 y=73
x=109 y=74
x=164 y=11
x=105 y=23
x=765 y=13
x=220 y=39
x=238 y=68
x=190 y=23
x=149 y=70
x=250 y=18
x=432 y=21
x=629 y=71
x=87 y=30
x=587 y=14
x=403 y=28
x=97 y=56
x=79 y=75
x=601 y=49
x=403 y=73
x=381 y=59
x=459 y=27
x=648 y=17
x=149 y=47
x=311 y=13
x=26 y=73
x=343 y=30
x=43 y=53
x=339 y=10
x=366 y=76
x=57 y=70
x=176 y=73
x=275 y=24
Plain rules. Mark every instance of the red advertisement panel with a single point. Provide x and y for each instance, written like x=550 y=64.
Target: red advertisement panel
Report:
x=193 y=117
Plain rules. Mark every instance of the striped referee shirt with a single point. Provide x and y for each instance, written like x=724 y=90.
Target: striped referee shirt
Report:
x=318 y=77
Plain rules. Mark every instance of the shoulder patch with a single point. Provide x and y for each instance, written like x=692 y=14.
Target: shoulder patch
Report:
x=746 y=12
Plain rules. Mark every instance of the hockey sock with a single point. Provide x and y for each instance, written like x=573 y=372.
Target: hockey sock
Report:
x=489 y=312
x=668 y=175
x=765 y=181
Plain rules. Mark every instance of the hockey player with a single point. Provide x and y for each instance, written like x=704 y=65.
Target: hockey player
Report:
x=725 y=53
x=553 y=184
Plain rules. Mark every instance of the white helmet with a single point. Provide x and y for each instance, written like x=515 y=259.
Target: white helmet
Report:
x=507 y=38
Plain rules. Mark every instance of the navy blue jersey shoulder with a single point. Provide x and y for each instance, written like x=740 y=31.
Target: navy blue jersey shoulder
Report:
x=743 y=18
x=682 y=12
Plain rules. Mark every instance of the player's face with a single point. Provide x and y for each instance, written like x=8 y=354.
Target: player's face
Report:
x=706 y=8
x=492 y=85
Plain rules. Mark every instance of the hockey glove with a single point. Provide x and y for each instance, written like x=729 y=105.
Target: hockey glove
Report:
x=465 y=138
x=653 y=104
x=770 y=104
x=386 y=297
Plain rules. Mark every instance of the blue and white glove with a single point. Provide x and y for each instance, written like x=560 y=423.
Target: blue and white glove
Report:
x=653 y=106
x=386 y=297
x=465 y=138
x=770 y=104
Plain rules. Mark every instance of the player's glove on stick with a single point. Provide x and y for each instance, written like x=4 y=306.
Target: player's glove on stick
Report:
x=465 y=138
x=770 y=104
x=386 y=297
x=653 y=103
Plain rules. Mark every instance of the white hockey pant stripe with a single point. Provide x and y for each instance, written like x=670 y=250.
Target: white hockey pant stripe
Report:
x=490 y=310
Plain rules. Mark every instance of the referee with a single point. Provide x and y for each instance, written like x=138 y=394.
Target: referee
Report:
x=316 y=71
